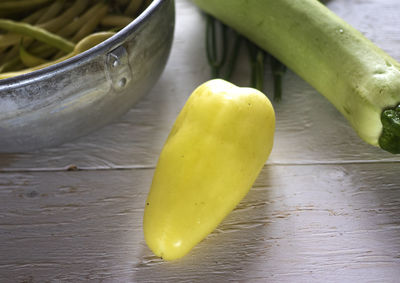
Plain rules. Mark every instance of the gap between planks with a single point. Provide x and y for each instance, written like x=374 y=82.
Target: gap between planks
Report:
x=73 y=167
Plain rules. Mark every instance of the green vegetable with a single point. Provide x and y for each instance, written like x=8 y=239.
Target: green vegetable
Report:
x=72 y=27
x=9 y=64
x=60 y=21
x=257 y=60
x=391 y=129
x=15 y=7
x=40 y=35
x=83 y=45
x=219 y=56
x=90 y=25
x=28 y=59
x=133 y=7
x=9 y=39
x=37 y=33
x=358 y=78
x=278 y=70
x=215 y=62
x=116 y=21
x=51 y=11
x=34 y=17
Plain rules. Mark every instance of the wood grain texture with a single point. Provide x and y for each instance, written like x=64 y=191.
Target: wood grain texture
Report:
x=325 y=208
x=324 y=223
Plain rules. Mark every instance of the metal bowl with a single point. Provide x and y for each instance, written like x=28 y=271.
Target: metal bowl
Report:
x=72 y=98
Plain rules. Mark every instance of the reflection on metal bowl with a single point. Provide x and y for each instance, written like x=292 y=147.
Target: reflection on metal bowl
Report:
x=72 y=98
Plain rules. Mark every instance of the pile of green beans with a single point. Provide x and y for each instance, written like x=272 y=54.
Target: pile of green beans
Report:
x=217 y=45
x=37 y=33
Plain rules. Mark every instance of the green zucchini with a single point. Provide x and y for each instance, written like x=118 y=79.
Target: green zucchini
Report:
x=357 y=77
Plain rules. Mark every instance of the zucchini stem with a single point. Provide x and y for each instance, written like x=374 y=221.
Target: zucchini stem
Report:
x=390 y=137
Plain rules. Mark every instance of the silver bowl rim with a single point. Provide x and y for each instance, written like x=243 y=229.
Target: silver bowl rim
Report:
x=101 y=48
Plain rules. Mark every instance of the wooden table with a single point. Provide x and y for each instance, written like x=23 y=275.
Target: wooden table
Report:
x=325 y=208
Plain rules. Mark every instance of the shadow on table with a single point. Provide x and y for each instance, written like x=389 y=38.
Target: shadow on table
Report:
x=226 y=254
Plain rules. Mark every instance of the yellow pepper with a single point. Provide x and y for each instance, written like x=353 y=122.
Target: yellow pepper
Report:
x=214 y=153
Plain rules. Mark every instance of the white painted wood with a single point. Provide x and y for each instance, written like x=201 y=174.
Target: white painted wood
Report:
x=310 y=223
x=325 y=208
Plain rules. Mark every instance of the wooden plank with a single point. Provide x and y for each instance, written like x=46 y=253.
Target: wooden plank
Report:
x=302 y=223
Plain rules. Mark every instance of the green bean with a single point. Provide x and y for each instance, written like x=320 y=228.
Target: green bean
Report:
x=9 y=39
x=92 y=40
x=2 y=55
x=122 y=2
x=115 y=21
x=67 y=31
x=28 y=59
x=260 y=67
x=31 y=19
x=257 y=61
x=90 y=25
x=133 y=8
x=57 y=23
x=77 y=23
x=48 y=35
x=34 y=17
x=83 y=45
x=278 y=70
x=45 y=51
x=10 y=7
x=51 y=12
x=212 y=46
x=11 y=53
x=234 y=56
x=37 y=33
x=9 y=64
